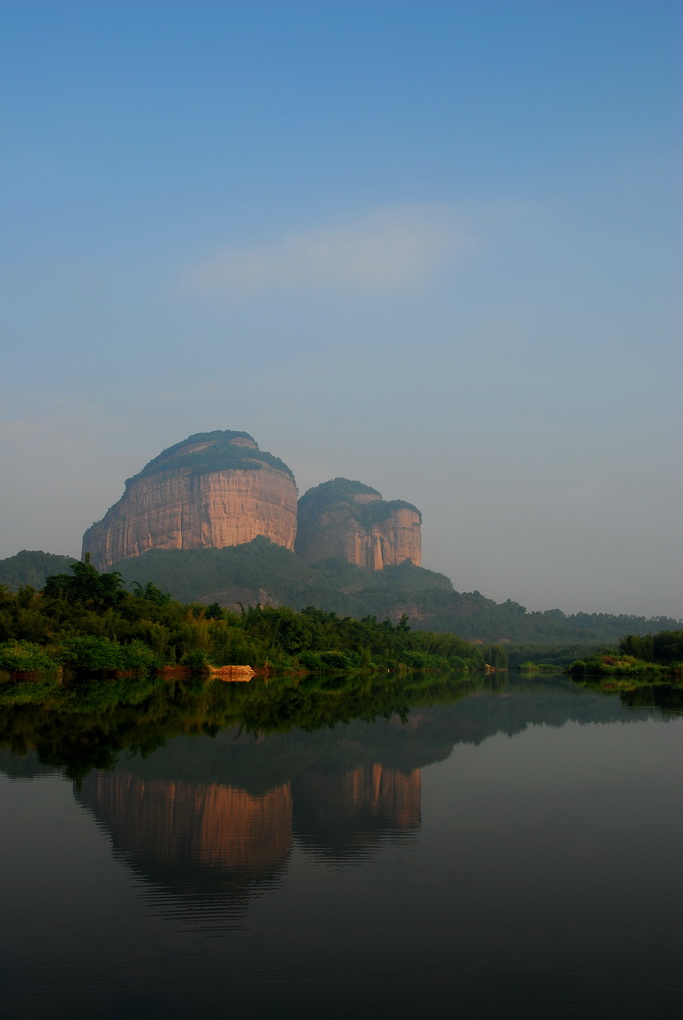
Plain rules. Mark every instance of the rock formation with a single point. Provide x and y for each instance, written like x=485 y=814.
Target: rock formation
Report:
x=215 y=489
x=347 y=520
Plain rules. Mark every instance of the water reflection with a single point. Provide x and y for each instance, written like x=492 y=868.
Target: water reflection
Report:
x=193 y=838
x=211 y=823
x=276 y=841
x=343 y=817
x=202 y=841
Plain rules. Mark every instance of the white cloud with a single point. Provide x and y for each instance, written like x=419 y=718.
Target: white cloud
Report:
x=388 y=249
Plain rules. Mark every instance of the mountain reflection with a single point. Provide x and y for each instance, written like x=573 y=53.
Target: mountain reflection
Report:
x=344 y=816
x=219 y=787
x=203 y=841
x=192 y=837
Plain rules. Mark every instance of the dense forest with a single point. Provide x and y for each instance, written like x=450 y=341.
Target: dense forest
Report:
x=84 y=620
x=260 y=572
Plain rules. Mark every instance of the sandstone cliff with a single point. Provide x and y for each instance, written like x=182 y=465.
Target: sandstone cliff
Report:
x=215 y=489
x=347 y=520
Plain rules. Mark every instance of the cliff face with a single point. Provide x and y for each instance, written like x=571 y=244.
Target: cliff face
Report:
x=350 y=521
x=212 y=490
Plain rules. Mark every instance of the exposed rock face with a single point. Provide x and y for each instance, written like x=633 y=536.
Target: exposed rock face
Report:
x=236 y=599
x=215 y=489
x=414 y=611
x=347 y=520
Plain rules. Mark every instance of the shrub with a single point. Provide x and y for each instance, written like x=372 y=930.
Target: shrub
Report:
x=196 y=661
x=100 y=653
x=25 y=657
x=335 y=660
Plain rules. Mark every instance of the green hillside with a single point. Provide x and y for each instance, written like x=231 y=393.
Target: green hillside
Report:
x=32 y=568
x=261 y=572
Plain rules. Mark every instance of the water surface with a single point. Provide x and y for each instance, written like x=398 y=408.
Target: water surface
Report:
x=512 y=852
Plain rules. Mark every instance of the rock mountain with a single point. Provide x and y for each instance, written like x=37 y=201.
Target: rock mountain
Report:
x=218 y=489
x=350 y=521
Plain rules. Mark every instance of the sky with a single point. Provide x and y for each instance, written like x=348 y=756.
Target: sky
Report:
x=432 y=246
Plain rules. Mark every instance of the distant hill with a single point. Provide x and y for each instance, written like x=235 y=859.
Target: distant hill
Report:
x=262 y=572
x=32 y=568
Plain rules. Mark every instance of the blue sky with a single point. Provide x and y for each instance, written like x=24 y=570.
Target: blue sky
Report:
x=431 y=246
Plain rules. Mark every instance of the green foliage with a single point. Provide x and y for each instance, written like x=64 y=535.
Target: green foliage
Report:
x=87 y=622
x=268 y=573
x=640 y=659
x=87 y=586
x=25 y=657
x=151 y=593
x=664 y=648
x=94 y=654
x=206 y=574
x=82 y=602
x=617 y=664
x=338 y=490
x=425 y=660
x=196 y=660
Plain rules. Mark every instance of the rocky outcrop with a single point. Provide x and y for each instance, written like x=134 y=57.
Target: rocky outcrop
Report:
x=215 y=489
x=236 y=599
x=347 y=520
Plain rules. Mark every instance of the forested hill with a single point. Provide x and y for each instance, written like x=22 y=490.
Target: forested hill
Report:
x=261 y=572
x=32 y=568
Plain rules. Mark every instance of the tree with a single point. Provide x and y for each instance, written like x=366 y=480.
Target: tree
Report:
x=87 y=586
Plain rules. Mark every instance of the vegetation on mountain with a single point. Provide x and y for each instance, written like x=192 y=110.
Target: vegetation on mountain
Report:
x=223 y=454
x=340 y=492
x=337 y=490
x=260 y=571
x=426 y=596
x=32 y=568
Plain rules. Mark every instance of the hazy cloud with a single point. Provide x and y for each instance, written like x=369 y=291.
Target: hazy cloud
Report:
x=387 y=249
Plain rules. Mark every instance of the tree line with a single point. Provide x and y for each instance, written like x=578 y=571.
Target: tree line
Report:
x=639 y=656
x=86 y=620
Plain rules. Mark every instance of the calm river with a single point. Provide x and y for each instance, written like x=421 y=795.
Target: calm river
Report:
x=486 y=850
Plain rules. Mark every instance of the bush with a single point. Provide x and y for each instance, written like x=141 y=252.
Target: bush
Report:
x=138 y=655
x=25 y=657
x=335 y=660
x=99 y=653
x=196 y=661
x=310 y=661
